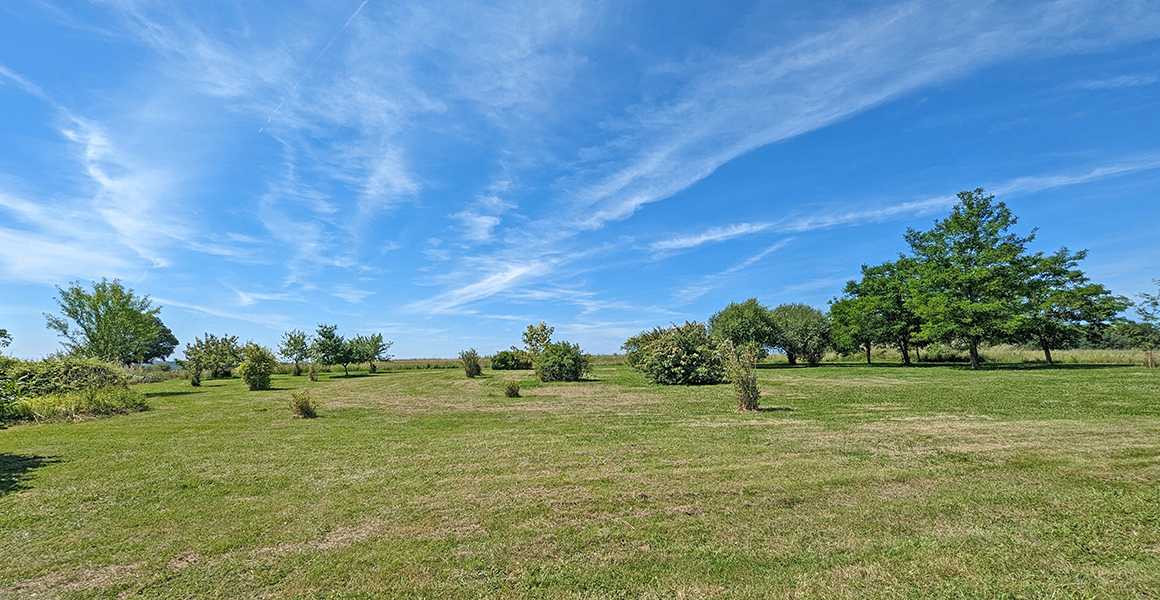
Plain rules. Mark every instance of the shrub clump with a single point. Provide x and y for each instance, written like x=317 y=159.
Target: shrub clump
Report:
x=80 y=405
x=257 y=366
x=679 y=355
x=561 y=361
x=302 y=406
x=741 y=365
x=63 y=375
x=470 y=360
x=511 y=360
x=511 y=389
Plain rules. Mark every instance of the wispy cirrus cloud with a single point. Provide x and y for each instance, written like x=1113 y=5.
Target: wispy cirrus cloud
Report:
x=716 y=234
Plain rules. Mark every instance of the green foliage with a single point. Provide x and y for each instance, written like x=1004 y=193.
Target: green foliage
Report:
x=511 y=389
x=511 y=360
x=876 y=310
x=10 y=407
x=680 y=355
x=5 y=338
x=971 y=273
x=257 y=366
x=302 y=406
x=110 y=323
x=561 y=361
x=64 y=375
x=747 y=324
x=803 y=332
x=295 y=347
x=536 y=338
x=1061 y=305
x=369 y=349
x=470 y=360
x=741 y=366
x=312 y=372
x=217 y=355
x=82 y=404
x=329 y=348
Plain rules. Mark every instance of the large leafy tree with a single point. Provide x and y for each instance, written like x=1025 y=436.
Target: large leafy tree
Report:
x=1061 y=305
x=855 y=326
x=110 y=322
x=971 y=273
x=747 y=324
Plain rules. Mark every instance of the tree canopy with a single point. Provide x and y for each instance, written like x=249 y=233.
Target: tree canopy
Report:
x=110 y=322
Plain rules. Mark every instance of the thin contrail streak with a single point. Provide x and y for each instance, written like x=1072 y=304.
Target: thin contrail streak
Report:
x=312 y=63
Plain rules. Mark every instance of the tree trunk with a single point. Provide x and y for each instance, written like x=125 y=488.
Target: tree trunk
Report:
x=1046 y=349
x=791 y=358
x=974 y=353
x=905 y=353
x=345 y=373
x=917 y=356
x=867 y=352
x=372 y=366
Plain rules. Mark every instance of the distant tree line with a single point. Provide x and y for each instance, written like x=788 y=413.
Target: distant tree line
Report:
x=967 y=282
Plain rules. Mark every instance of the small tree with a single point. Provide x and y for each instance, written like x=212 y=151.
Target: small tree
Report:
x=470 y=360
x=5 y=338
x=257 y=367
x=295 y=347
x=369 y=349
x=803 y=332
x=536 y=338
x=561 y=361
x=741 y=365
x=745 y=324
x=217 y=355
x=329 y=348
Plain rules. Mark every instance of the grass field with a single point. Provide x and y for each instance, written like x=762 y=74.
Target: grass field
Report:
x=929 y=482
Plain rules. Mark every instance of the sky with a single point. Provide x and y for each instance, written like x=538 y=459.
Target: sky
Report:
x=447 y=173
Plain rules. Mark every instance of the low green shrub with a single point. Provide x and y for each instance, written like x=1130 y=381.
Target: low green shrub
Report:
x=257 y=366
x=561 y=361
x=11 y=408
x=81 y=405
x=741 y=365
x=302 y=406
x=511 y=389
x=470 y=360
x=511 y=360
x=64 y=375
x=679 y=355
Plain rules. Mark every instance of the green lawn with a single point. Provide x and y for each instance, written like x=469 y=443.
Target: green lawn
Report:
x=852 y=482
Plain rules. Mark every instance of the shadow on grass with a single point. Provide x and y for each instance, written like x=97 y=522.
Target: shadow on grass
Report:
x=164 y=394
x=16 y=468
x=960 y=366
x=774 y=409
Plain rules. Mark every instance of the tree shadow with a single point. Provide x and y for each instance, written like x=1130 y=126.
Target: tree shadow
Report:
x=775 y=409
x=15 y=469
x=176 y=393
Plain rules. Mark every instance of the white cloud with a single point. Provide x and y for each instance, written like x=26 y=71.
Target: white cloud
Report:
x=716 y=234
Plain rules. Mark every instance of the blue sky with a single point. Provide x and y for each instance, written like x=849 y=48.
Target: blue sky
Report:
x=448 y=172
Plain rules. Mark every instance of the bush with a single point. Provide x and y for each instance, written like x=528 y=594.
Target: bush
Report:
x=470 y=360
x=11 y=409
x=511 y=360
x=258 y=365
x=511 y=389
x=679 y=355
x=561 y=361
x=312 y=372
x=82 y=404
x=64 y=375
x=302 y=406
x=803 y=332
x=741 y=364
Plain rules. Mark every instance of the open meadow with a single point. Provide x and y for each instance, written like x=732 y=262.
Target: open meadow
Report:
x=851 y=481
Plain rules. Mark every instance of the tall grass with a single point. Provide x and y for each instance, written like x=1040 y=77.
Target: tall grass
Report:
x=80 y=405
